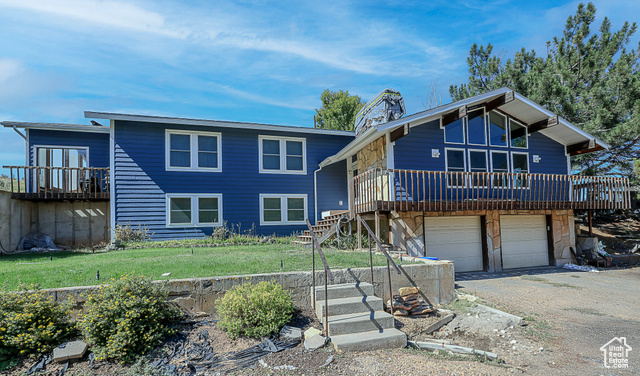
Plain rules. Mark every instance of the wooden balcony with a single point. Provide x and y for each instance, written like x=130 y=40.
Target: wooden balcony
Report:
x=409 y=190
x=59 y=183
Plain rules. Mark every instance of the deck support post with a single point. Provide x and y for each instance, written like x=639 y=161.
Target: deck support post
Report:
x=378 y=228
x=590 y=214
x=359 y=232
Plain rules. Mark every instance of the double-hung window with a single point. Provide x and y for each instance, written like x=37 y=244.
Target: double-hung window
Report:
x=282 y=155
x=194 y=210
x=277 y=209
x=193 y=151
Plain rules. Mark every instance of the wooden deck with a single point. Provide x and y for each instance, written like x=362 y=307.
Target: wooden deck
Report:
x=411 y=190
x=59 y=183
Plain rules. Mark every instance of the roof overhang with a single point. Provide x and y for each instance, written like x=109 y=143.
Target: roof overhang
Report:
x=507 y=101
x=213 y=123
x=57 y=127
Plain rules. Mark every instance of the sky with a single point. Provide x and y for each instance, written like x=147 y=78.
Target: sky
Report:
x=250 y=61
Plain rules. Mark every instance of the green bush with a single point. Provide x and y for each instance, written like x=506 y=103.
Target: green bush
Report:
x=127 y=234
x=31 y=323
x=127 y=318
x=254 y=310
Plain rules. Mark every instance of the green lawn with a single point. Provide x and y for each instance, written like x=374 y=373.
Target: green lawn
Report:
x=79 y=268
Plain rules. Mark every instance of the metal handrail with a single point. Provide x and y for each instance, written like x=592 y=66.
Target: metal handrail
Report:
x=327 y=273
x=389 y=260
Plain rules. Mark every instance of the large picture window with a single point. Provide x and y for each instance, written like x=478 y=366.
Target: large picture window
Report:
x=276 y=209
x=193 y=151
x=497 y=129
x=454 y=132
x=282 y=155
x=476 y=128
x=518 y=134
x=194 y=210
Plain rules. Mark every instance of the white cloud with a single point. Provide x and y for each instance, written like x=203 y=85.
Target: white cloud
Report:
x=294 y=104
x=114 y=14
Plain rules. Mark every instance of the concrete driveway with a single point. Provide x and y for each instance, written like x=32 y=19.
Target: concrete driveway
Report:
x=572 y=314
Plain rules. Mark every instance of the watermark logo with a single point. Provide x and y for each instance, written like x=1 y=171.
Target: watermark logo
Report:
x=616 y=353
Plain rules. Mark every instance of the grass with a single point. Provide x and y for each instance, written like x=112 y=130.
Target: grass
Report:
x=537 y=328
x=544 y=280
x=79 y=268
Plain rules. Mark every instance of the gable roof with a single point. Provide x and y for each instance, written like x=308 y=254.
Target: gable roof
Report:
x=57 y=127
x=521 y=107
x=214 y=123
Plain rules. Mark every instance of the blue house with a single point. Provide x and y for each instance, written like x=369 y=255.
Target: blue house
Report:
x=485 y=182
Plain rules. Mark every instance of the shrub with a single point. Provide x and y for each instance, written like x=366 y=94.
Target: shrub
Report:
x=254 y=310
x=31 y=323
x=127 y=318
x=127 y=234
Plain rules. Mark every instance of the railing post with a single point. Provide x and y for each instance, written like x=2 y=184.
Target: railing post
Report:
x=390 y=289
x=313 y=271
x=370 y=258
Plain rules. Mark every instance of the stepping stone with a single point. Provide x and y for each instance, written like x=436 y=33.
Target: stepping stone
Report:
x=315 y=342
x=69 y=351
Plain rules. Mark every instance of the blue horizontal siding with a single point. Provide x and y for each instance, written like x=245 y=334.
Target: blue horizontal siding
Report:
x=141 y=181
x=98 y=144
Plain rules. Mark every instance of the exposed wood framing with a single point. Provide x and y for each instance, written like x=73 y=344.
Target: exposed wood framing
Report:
x=535 y=127
x=497 y=102
x=583 y=147
x=399 y=133
x=454 y=115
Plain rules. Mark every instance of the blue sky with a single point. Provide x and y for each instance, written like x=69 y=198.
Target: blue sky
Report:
x=253 y=61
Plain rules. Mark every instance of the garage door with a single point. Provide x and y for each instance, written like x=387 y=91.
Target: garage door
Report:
x=455 y=238
x=524 y=241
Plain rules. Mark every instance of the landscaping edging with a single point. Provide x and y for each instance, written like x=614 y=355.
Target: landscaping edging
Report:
x=435 y=279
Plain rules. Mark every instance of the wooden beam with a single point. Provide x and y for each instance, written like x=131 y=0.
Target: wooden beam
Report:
x=399 y=133
x=497 y=102
x=583 y=147
x=454 y=115
x=535 y=127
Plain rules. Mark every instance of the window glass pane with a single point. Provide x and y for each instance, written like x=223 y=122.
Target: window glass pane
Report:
x=294 y=148
x=518 y=134
x=520 y=163
x=295 y=203
x=499 y=162
x=454 y=132
x=271 y=162
x=207 y=143
x=272 y=203
x=208 y=216
x=180 y=159
x=180 y=210
x=455 y=160
x=478 y=161
x=475 y=128
x=295 y=215
x=207 y=159
x=272 y=216
x=180 y=142
x=208 y=203
x=271 y=147
x=497 y=129
x=294 y=163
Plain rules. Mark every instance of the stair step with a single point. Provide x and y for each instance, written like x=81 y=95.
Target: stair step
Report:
x=360 y=322
x=371 y=340
x=343 y=306
x=345 y=290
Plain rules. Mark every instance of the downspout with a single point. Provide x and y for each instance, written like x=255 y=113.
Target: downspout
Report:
x=315 y=196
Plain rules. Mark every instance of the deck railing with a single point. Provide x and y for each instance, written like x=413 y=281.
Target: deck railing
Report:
x=59 y=183
x=411 y=190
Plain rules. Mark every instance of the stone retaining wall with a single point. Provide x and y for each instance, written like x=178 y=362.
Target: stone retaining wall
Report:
x=435 y=279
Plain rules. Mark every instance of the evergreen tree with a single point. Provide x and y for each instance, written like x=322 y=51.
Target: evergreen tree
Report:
x=590 y=79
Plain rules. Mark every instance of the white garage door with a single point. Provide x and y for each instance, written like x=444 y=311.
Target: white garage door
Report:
x=524 y=241
x=455 y=238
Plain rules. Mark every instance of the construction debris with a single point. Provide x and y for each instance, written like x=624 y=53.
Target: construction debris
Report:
x=453 y=348
x=315 y=342
x=311 y=332
x=73 y=350
x=409 y=302
x=449 y=316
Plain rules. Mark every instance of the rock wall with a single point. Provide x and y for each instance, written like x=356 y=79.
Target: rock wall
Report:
x=407 y=232
x=435 y=279
x=373 y=155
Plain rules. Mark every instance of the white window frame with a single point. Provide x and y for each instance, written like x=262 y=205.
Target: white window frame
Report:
x=528 y=185
x=193 y=150
x=500 y=152
x=507 y=133
x=526 y=134
x=464 y=133
x=446 y=164
x=283 y=208
x=283 y=155
x=486 y=130
x=194 y=210
x=506 y=183
x=486 y=161
x=36 y=147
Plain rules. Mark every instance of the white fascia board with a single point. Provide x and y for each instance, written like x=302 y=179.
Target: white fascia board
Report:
x=58 y=127
x=562 y=121
x=365 y=138
x=213 y=123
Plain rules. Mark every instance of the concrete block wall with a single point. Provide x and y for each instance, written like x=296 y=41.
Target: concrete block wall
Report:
x=75 y=223
x=435 y=279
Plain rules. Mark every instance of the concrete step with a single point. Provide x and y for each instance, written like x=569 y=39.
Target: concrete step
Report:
x=345 y=290
x=372 y=340
x=360 y=322
x=343 y=306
